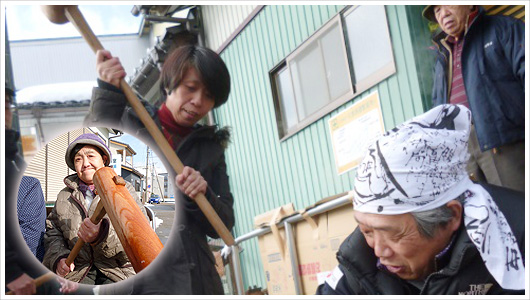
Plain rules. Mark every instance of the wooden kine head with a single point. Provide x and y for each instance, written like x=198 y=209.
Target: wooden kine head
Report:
x=137 y=237
x=56 y=13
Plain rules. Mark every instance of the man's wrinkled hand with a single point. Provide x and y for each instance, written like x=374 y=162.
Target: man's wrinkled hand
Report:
x=62 y=269
x=88 y=231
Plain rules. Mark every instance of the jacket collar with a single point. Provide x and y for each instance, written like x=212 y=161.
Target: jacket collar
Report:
x=463 y=250
x=72 y=182
x=221 y=136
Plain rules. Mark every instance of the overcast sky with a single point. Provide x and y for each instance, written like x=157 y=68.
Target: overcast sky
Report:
x=140 y=148
x=27 y=22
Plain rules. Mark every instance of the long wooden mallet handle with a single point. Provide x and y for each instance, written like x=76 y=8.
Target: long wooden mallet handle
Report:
x=73 y=15
x=39 y=280
x=98 y=214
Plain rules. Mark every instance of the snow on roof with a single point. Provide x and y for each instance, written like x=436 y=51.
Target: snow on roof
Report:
x=57 y=92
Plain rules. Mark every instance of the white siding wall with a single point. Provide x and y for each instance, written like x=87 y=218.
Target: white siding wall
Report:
x=70 y=59
x=220 y=21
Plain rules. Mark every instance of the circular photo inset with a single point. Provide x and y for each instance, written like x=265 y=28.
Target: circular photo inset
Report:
x=95 y=206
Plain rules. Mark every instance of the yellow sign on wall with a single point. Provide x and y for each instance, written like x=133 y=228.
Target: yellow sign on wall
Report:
x=354 y=129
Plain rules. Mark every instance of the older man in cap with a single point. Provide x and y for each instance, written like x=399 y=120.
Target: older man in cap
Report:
x=424 y=226
x=102 y=260
x=481 y=64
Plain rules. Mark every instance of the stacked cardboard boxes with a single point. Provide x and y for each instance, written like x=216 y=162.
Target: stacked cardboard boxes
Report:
x=316 y=240
x=274 y=253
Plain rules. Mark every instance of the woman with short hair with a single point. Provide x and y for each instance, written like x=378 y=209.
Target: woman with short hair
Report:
x=193 y=81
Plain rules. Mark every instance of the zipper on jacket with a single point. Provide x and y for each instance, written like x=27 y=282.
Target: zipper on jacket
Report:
x=443 y=42
x=84 y=210
x=365 y=284
x=441 y=272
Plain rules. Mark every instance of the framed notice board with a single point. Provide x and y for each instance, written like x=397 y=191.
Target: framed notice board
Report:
x=353 y=130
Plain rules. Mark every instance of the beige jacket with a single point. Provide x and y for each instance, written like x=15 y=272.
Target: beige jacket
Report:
x=62 y=224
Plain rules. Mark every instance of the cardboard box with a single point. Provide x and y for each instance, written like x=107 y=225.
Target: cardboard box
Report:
x=316 y=245
x=274 y=253
x=277 y=269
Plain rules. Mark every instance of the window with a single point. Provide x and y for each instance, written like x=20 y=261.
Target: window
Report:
x=348 y=55
x=369 y=45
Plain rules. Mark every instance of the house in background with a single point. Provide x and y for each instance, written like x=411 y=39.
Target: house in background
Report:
x=46 y=111
x=169 y=186
x=54 y=80
x=123 y=164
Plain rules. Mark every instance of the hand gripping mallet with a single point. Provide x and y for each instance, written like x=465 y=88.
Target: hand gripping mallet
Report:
x=140 y=242
x=98 y=214
x=39 y=280
x=60 y=14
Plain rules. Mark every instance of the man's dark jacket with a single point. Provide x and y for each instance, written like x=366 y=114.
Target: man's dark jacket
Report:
x=463 y=273
x=186 y=265
x=493 y=70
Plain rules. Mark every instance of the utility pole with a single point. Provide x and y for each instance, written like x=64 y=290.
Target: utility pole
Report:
x=146 y=196
x=158 y=182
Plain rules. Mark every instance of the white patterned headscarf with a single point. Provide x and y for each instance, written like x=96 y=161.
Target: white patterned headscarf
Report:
x=421 y=165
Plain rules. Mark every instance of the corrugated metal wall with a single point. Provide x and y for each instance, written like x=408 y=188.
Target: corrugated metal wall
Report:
x=265 y=173
x=220 y=21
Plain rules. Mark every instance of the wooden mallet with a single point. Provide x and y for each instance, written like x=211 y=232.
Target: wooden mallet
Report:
x=60 y=14
x=137 y=237
x=140 y=242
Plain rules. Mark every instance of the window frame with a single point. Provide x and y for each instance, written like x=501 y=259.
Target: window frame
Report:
x=355 y=88
x=378 y=76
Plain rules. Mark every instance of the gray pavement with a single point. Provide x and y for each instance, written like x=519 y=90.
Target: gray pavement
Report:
x=165 y=214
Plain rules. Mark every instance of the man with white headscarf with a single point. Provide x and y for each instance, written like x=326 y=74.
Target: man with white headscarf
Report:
x=424 y=226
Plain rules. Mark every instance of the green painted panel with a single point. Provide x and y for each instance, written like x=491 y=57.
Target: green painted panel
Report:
x=266 y=173
x=420 y=34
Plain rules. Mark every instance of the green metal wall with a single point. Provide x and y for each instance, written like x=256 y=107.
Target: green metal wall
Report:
x=265 y=173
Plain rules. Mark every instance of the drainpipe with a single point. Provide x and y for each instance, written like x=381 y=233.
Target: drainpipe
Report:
x=120 y=133
x=37 y=114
